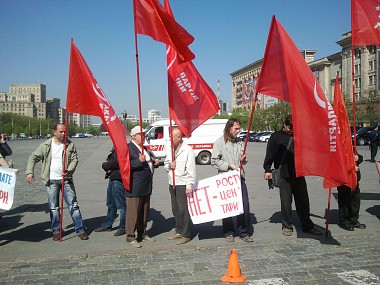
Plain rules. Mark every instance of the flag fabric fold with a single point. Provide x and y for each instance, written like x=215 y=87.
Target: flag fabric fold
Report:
x=84 y=96
x=191 y=100
x=285 y=75
x=365 y=22
x=153 y=20
x=345 y=132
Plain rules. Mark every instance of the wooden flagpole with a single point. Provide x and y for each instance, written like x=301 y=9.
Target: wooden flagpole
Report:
x=138 y=77
x=63 y=177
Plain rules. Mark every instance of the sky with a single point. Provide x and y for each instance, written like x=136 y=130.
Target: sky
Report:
x=229 y=34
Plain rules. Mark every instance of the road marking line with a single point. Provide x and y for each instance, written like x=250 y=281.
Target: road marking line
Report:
x=359 y=277
x=269 y=281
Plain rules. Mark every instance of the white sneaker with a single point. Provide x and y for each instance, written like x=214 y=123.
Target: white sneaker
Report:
x=134 y=243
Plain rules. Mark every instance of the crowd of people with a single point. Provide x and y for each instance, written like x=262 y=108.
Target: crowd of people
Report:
x=59 y=162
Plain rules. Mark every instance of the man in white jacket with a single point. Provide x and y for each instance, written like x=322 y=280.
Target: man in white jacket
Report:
x=183 y=167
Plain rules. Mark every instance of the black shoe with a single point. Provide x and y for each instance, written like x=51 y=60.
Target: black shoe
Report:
x=101 y=229
x=119 y=233
x=359 y=225
x=347 y=227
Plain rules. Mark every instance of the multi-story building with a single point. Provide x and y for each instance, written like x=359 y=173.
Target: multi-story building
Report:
x=80 y=120
x=154 y=115
x=366 y=77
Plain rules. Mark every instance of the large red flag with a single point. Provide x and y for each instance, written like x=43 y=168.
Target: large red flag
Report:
x=153 y=20
x=286 y=76
x=345 y=132
x=365 y=22
x=191 y=100
x=84 y=96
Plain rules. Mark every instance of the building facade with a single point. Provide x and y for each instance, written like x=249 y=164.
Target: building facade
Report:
x=366 y=75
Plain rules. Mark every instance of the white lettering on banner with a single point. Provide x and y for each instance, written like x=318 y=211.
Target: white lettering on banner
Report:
x=7 y=185
x=108 y=112
x=216 y=198
x=332 y=128
x=184 y=85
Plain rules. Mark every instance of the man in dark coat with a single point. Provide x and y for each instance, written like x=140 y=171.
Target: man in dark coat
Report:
x=373 y=144
x=138 y=198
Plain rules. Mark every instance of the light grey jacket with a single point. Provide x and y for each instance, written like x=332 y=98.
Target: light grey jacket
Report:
x=223 y=154
x=43 y=154
x=185 y=166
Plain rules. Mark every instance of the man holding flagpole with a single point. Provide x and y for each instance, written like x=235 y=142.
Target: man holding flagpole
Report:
x=50 y=153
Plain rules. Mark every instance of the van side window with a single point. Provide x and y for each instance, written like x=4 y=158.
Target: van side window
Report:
x=159 y=133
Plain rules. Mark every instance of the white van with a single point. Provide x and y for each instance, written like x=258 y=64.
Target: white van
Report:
x=202 y=139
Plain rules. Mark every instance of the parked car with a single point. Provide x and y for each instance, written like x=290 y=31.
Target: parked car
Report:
x=362 y=137
x=256 y=137
x=265 y=137
x=243 y=134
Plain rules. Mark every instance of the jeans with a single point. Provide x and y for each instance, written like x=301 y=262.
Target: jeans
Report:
x=115 y=200
x=53 y=191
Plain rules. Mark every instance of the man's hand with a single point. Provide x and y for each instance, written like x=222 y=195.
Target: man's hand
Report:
x=29 y=178
x=267 y=175
x=189 y=192
x=142 y=157
x=172 y=165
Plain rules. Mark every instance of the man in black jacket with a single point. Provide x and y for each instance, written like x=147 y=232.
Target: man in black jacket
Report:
x=115 y=196
x=280 y=151
x=138 y=197
x=373 y=141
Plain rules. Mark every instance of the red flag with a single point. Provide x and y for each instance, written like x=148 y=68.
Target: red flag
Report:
x=286 y=76
x=365 y=22
x=84 y=96
x=344 y=124
x=153 y=20
x=191 y=100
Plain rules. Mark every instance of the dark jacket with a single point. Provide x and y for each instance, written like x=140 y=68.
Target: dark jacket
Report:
x=111 y=166
x=141 y=174
x=277 y=151
x=5 y=150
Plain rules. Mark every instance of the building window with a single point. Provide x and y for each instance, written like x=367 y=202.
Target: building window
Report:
x=357 y=69
x=370 y=64
x=358 y=83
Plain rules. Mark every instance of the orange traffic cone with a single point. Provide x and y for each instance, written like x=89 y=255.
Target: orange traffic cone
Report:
x=233 y=272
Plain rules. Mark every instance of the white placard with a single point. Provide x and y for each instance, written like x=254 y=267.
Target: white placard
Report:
x=7 y=187
x=216 y=198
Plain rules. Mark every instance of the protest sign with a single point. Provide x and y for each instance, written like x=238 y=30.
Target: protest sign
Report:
x=216 y=198
x=7 y=187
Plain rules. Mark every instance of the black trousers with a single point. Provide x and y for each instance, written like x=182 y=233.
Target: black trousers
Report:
x=244 y=227
x=297 y=188
x=373 y=146
x=180 y=211
x=349 y=204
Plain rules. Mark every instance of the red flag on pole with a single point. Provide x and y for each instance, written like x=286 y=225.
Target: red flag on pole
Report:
x=152 y=19
x=345 y=131
x=365 y=22
x=285 y=75
x=191 y=100
x=84 y=96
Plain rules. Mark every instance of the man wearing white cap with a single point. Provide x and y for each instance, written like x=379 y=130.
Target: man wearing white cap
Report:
x=138 y=197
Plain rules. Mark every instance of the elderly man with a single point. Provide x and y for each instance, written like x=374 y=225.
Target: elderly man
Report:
x=50 y=153
x=183 y=167
x=138 y=197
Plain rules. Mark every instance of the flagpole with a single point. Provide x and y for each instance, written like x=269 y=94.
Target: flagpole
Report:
x=138 y=76
x=353 y=94
x=171 y=145
x=63 y=178
x=249 y=126
x=328 y=213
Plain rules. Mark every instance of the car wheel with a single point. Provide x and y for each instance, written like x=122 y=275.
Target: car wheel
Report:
x=361 y=142
x=204 y=158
